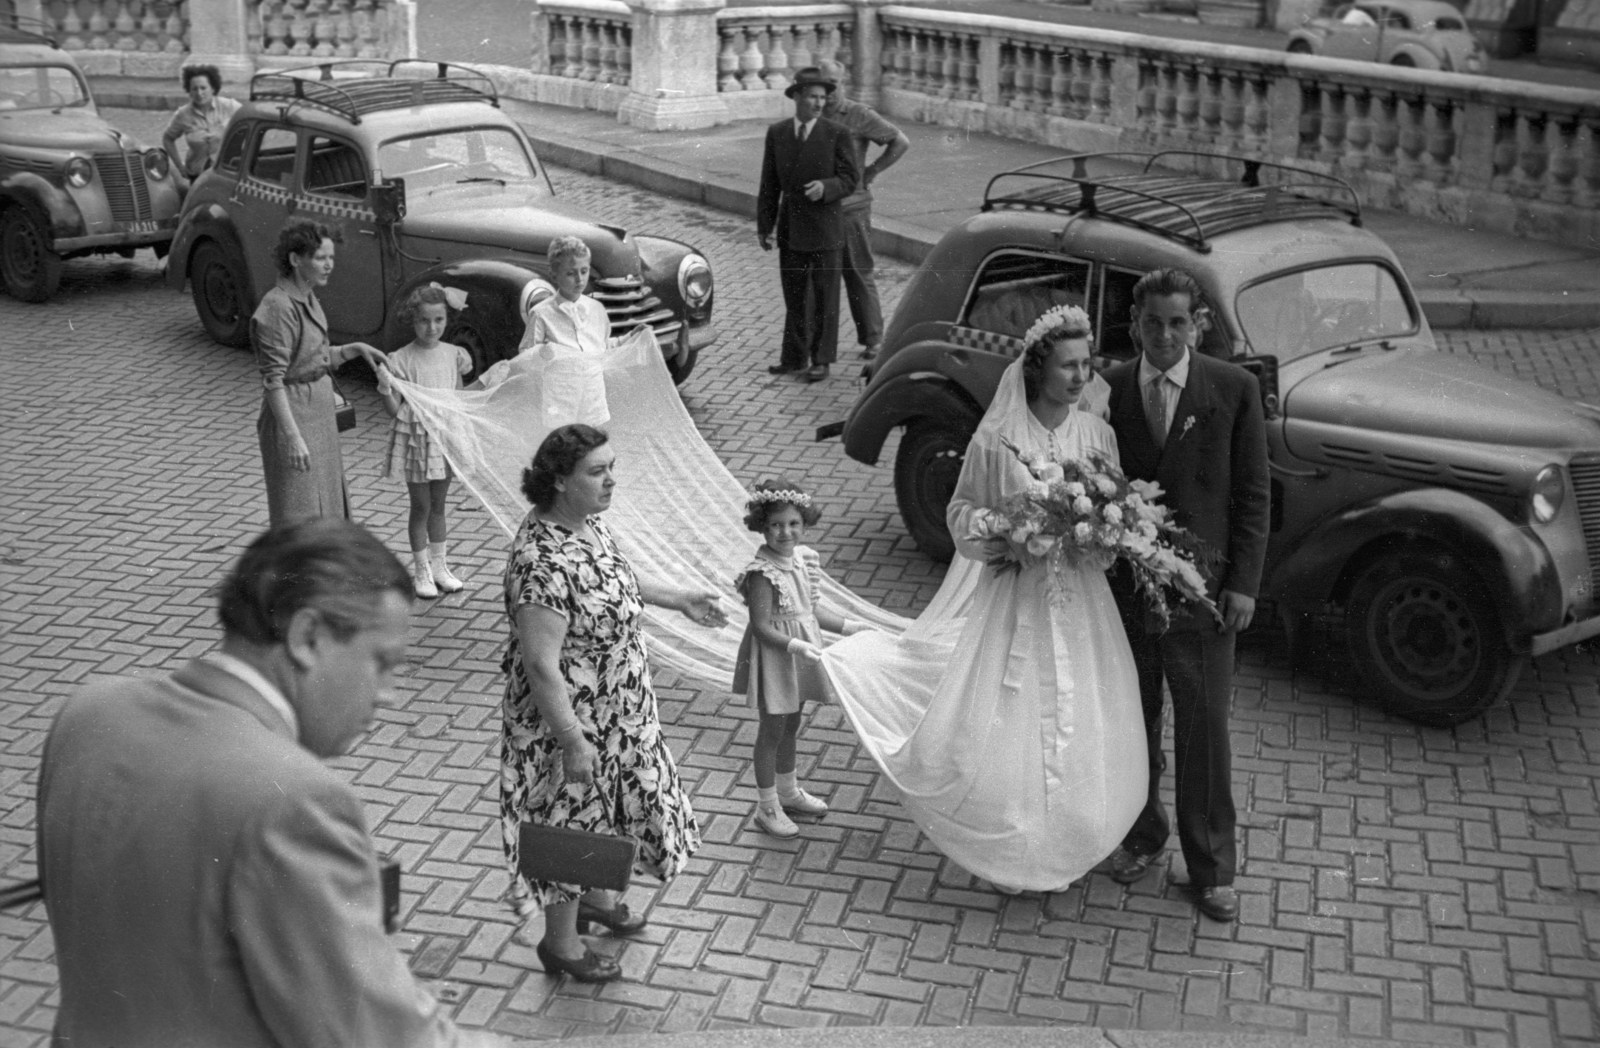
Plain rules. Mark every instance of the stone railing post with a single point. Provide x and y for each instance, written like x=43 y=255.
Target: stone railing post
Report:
x=866 y=53
x=30 y=9
x=674 y=86
x=217 y=37
x=539 y=32
x=989 y=69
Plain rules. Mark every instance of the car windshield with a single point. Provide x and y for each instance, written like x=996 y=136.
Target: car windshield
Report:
x=41 y=87
x=1294 y=314
x=474 y=154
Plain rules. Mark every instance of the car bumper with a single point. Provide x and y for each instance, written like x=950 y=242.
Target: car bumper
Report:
x=1541 y=643
x=702 y=336
x=131 y=234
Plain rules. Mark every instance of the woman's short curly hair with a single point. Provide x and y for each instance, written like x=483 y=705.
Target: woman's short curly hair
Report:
x=426 y=295
x=563 y=248
x=1066 y=324
x=758 y=509
x=210 y=72
x=555 y=460
x=302 y=236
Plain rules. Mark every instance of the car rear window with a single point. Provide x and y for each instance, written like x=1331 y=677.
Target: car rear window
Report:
x=1294 y=314
x=1014 y=288
x=41 y=87
x=1447 y=24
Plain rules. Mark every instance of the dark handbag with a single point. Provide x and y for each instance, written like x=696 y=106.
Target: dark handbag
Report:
x=344 y=412
x=592 y=860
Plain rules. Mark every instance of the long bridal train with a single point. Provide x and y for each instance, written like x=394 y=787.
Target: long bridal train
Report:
x=1006 y=748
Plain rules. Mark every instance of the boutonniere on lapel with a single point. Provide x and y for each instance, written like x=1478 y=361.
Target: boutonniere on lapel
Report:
x=1188 y=424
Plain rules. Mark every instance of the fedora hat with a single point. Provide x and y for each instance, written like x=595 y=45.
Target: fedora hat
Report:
x=807 y=77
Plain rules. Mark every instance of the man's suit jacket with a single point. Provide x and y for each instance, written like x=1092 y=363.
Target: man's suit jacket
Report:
x=210 y=883
x=1213 y=466
x=828 y=156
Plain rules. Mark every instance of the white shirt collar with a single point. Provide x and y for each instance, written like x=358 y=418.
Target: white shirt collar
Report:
x=1178 y=374
x=237 y=667
x=804 y=126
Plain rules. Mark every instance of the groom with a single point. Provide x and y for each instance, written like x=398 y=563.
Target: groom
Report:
x=1193 y=424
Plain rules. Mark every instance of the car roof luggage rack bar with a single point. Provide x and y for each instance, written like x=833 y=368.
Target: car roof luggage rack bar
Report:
x=1189 y=208
x=369 y=85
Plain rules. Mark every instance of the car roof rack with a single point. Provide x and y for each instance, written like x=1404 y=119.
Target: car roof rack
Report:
x=1185 y=207
x=20 y=29
x=354 y=87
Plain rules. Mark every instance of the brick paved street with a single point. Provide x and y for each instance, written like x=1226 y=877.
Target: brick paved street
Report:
x=1401 y=882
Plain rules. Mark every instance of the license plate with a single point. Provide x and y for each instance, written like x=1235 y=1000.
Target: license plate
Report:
x=147 y=226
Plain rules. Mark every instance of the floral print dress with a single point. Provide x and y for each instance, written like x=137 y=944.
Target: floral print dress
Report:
x=637 y=792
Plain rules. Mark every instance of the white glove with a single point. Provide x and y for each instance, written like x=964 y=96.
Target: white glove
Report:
x=801 y=646
x=854 y=626
x=385 y=382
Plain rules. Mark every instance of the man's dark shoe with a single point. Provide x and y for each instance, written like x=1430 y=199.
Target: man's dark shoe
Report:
x=868 y=352
x=1219 y=902
x=817 y=373
x=1127 y=867
x=784 y=369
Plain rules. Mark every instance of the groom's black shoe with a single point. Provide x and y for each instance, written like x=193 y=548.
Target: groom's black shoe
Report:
x=1127 y=867
x=1219 y=902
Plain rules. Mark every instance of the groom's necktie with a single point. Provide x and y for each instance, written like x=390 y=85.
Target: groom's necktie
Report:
x=1155 y=410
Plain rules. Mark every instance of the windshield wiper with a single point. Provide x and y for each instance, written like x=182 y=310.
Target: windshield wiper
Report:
x=480 y=178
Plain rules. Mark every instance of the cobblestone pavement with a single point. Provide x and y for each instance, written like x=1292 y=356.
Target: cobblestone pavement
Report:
x=1398 y=881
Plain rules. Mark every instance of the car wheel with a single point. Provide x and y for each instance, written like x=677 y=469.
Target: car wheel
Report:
x=680 y=368
x=221 y=293
x=1403 y=61
x=926 y=469
x=1427 y=639
x=1299 y=47
x=464 y=333
x=31 y=269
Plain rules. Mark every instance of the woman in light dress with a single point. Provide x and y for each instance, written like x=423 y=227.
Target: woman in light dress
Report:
x=1008 y=716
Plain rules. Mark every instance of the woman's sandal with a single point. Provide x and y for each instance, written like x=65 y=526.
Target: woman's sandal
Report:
x=590 y=968
x=619 y=919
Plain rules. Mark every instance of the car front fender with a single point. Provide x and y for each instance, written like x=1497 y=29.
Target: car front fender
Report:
x=51 y=203
x=210 y=222
x=659 y=258
x=1419 y=55
x=494 y=293
x=898 y=400
x=1511 y=561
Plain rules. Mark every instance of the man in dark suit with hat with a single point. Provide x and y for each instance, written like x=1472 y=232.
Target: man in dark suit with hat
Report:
x=808 y=167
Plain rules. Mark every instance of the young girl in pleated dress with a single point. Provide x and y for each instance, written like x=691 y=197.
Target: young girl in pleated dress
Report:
x=413 y=454
x=778 y=664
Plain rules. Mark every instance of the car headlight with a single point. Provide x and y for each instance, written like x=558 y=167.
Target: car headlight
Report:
x=79 y=172
x=1548 y=492
x=534 y=292
x=694 y=281
x=155 y=164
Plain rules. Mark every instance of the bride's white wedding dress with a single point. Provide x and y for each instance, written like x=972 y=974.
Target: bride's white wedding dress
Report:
x=1011 y=726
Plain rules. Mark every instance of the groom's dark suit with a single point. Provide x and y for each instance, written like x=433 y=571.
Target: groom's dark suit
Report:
x=1213 y=469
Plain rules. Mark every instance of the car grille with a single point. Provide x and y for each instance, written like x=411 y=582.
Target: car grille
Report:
x=122 y=177
x=1586 y=486
x=630 y=303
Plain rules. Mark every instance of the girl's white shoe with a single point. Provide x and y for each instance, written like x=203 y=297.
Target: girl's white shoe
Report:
x=802 y=803
x=442 y=576
x=774 y=823
x=422 y=576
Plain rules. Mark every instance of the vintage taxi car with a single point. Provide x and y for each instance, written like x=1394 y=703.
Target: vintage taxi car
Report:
x=429 y=181
x=70 y=183
x=1423 y=34
x=1444 y=516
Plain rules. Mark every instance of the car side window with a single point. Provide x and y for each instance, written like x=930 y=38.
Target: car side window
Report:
x=1396 y=20
x=273 y=159
x=1015 y=287
x=334 y=168
x=232 y=151
x=1114 y=325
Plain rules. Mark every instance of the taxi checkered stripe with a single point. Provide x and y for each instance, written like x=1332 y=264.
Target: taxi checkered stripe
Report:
x=986 y=341
x=306 y=203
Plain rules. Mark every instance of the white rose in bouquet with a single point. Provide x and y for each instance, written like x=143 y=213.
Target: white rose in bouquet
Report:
x=1038 y=489
x=1112 y=513
x=1082 y=533
x=1082 y=506
x=1039 y=545
x=1075 y=489
x=1050 y=472
x=1105 y=485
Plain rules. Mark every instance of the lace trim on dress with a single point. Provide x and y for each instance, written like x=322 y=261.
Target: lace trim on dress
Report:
x=788 y=600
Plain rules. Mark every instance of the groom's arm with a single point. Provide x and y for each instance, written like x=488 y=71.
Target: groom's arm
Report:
x=1250 y=497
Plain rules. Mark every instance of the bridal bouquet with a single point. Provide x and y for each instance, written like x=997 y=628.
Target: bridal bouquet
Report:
x=1085 y=511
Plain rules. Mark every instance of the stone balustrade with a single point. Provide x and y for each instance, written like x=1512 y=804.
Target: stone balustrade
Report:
x=1497 y=154
x=760 y=48
x=585 y=40
x=132 y=37
x=332 y=29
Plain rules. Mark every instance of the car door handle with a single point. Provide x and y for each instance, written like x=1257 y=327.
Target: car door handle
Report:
x=1315 y=473
x=368 y=232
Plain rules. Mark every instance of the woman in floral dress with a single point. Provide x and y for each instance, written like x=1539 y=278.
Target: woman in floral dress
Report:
x=581 y=745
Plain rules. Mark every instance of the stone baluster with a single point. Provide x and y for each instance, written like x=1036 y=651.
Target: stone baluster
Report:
x=573 y=69
x=1100 y=89
x=624 y=54
x=1146 y=97
x=1080 y=83
x=608 y=52
x=1210 y=83
x=1230 y=134
x=275 y=31
x=1586 y=182
x=1027 y=68
x=1383 y=111
x=1413 y=137
x=322 y=30
x=732 y=40
x=178 y=29
x=1532 y=154
x=917 y=62
x=1055 y=88
x=777 y=67
x=1310 y=123
x=837 y=43
x=368 y=31
x=149 y=28
x=1560 y=142
x=970 y=91
x=889 y=57
x=1167 y=100
x=1257 y=115
x=554 y=58
x=300 y=29
x=1188 y=104
x=99 y=29
x=591 y=49
x=1007 y=79
x=1357 y=128
x=125 y=27
x=1441 y=156
x=950 y=68
x=1330 y=143
x=804 y=51
x=346 y=23
x=751 y=61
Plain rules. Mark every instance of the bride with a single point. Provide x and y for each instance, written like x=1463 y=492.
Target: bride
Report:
x=1009 y=718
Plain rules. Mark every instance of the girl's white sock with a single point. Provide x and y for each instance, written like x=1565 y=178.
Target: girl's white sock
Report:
x=768 y=797
x=786 y=786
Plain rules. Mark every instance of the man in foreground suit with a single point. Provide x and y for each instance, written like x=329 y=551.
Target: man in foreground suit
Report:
x=807 y=168
x=1193 y=424
x=209 y=881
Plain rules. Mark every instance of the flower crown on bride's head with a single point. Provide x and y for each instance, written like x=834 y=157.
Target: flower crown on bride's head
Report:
x=1053 y=320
